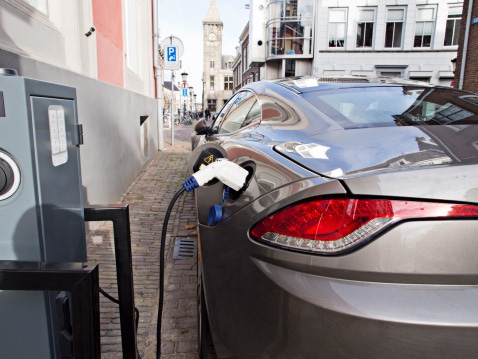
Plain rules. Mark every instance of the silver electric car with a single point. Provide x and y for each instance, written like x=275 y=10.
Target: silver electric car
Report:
x=356 y=232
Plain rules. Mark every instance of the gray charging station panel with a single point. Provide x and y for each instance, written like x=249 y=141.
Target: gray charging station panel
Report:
x=41 y=204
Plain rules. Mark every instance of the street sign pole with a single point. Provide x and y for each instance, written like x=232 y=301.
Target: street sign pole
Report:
x=172 y=108
x=174 y=49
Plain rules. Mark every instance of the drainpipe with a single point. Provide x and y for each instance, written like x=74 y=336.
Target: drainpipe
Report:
x=465 y=44
x=158 y=74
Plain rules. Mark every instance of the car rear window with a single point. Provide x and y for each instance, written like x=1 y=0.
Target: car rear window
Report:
x=379 y=106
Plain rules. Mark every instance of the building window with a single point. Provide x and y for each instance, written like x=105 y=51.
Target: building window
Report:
x=365 y=25
x=211 y=104
x=252 y=77
x=228 y=81
x=211 y=83
x=290 y=27
x=424 y=27
x=289 y=67
x=211 y=64
x=244 y=59
x=337 y=21
x=394 y=27
x=453 y=24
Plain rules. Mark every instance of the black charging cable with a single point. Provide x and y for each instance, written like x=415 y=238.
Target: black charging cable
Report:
x=161 y=271
x=161 y=276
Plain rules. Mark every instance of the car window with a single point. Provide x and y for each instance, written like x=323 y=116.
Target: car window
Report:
x=254 y=114
x=235 y=113
x=222 y=114
x=395 y=106
x=275 y=112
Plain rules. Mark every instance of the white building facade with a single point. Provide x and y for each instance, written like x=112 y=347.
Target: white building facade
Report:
x=397 y=38
x=104 y=49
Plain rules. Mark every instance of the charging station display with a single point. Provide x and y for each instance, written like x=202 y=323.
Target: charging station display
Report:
x=59 y=153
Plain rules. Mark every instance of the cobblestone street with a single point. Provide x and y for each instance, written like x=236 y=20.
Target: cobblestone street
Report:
x=148 y=198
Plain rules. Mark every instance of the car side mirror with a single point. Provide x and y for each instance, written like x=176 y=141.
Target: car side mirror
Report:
x=201 y=128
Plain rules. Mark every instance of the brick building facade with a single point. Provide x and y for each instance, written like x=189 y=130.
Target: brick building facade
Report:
x=466 y=73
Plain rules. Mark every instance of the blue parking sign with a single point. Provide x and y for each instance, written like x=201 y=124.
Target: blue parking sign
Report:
x=171 y=53
x=171 y=58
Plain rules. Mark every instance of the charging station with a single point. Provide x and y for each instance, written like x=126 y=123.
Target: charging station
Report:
x=41 y=208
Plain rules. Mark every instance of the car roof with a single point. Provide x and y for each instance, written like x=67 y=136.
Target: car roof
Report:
x=303 y=84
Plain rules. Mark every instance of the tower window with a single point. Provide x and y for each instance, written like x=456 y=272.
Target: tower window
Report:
x=211 y=83
x=228 y=80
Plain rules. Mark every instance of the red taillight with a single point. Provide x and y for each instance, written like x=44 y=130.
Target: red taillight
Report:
x=330 y=226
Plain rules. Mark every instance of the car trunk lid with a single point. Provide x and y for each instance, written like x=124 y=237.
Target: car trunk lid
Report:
x=346 y=153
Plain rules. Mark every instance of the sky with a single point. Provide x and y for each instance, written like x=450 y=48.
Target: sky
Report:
x=183 y=19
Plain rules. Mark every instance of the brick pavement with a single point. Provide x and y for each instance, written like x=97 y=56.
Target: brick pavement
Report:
x=148 y=198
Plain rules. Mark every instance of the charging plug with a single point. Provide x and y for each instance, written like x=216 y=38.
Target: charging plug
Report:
x=229 y=173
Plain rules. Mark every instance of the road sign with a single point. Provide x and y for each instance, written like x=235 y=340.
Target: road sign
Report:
x=171 y=58
x=184 y=86
x=172 y=53
x=173 y=50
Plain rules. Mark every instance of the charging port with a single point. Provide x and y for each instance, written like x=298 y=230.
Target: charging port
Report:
x=250 y=168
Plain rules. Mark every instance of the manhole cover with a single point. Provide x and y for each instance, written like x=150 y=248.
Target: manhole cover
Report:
x=185 y=248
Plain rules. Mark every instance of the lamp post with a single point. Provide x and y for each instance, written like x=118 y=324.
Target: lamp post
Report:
x=202 y=100
x=191 y=93
x=172 y=108
x=184 y=76
x=195 y=106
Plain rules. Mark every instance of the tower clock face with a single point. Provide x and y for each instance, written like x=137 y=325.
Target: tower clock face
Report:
x=212 y=36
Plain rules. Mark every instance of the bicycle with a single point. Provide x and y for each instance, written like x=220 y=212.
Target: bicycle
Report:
x=185 y=120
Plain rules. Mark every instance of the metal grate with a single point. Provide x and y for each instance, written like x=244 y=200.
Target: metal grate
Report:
x=185 y=248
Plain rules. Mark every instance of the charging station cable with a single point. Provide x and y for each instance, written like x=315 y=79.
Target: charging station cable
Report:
x=230 y=174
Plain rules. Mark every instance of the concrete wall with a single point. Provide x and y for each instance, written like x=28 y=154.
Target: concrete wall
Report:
x=112 y=155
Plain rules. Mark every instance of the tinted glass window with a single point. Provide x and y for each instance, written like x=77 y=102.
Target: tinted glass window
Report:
x=234 y=114
x=222 y=114
x=254 y=114
x=395 y=106
x=275 y=112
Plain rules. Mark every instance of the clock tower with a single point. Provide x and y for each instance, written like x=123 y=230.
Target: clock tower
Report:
x=217 y=69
